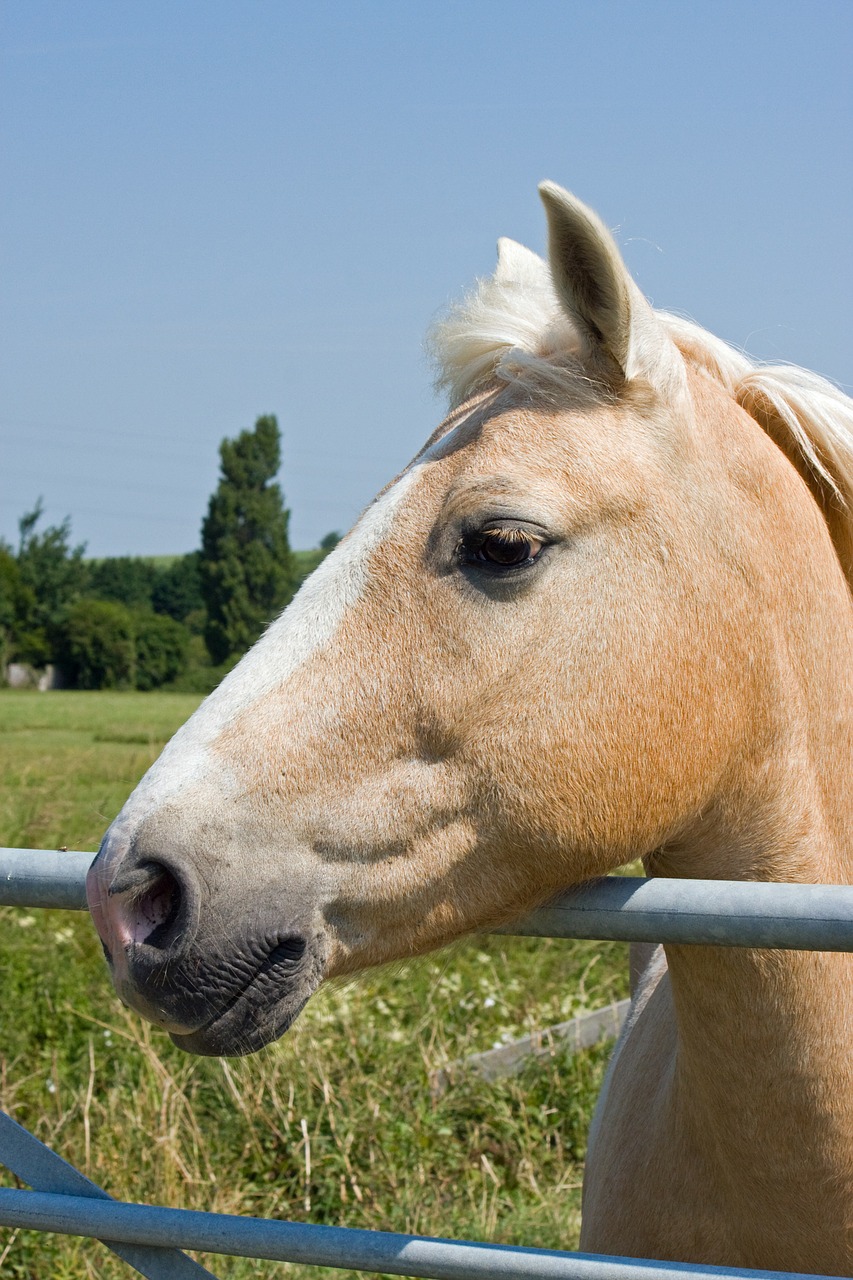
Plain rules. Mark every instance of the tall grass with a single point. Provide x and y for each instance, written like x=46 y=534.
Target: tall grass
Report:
x=338 y=1122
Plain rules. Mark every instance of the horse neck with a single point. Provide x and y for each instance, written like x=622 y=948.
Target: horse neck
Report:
x=762 y=1084
x=784 y=809
x=761 y=1088
x=764 y=1036
x=764 y=1071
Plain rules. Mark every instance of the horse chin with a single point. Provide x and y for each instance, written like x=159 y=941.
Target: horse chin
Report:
x=232 y=1004
x=245 y=1027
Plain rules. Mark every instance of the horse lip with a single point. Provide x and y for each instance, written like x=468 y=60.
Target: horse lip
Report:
x=283 y=962
x=219 y=1037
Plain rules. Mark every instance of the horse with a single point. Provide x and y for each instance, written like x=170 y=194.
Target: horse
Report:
x=604 y=614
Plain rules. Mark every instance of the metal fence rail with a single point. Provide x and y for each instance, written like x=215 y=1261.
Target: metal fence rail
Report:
x=704 y=912
x=43 y=1170
x=352 y=1247
x=44 y=878
x=727 y=913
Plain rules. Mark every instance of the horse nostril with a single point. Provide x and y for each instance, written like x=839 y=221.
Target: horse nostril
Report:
x=158 y=909
x=149 y=909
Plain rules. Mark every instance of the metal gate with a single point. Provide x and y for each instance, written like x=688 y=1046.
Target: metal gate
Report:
x=149 y=1238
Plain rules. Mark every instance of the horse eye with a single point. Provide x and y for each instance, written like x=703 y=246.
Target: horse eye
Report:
x=501 y=548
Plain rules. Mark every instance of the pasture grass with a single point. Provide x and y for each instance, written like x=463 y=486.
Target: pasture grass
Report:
x=337 y=1123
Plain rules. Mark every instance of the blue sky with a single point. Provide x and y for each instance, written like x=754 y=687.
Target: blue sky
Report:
x=213 y=211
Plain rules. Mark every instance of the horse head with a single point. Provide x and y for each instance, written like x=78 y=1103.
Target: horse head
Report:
x=534 y=657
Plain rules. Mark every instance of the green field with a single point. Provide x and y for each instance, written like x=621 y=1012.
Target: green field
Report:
x=337 y=1123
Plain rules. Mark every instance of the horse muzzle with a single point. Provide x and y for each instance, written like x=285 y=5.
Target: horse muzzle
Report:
x=221 y=976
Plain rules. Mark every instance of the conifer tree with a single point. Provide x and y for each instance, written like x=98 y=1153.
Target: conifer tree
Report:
x=50 y=576
x=246 y=566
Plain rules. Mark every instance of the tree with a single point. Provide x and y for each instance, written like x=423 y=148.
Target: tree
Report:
x=162 y=645
x=10 y=595
x=246 y=563
x=51 y=575
x=177 y=591
x=127 y=580
x=105 y=645
x=99 y=645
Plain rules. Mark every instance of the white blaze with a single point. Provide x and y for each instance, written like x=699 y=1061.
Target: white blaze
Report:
x=305 y=627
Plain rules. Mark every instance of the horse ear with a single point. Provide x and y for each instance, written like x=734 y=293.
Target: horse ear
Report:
x=596 y=290
x=518 y=265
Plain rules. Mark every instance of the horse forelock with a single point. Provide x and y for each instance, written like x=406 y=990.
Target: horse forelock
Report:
x=506 y=329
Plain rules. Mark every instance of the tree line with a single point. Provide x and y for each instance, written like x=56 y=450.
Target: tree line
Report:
x=140 y=623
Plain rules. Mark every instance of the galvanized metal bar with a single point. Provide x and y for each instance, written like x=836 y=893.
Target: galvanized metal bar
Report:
x=722 y=913
x=41 y=1168
x=44 y=878
x=360 y=1250
x=726 y=913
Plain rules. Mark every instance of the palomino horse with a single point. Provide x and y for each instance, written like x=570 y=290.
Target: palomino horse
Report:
x=604 y=614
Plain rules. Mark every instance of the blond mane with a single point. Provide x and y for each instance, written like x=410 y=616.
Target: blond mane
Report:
x=511 y=328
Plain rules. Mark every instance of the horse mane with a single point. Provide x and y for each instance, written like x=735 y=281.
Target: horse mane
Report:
x=511 y=329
